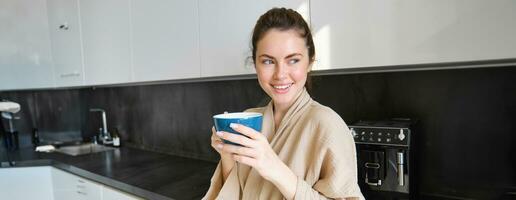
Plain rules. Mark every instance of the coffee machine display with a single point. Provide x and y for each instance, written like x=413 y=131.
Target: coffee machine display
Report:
x=384 y=154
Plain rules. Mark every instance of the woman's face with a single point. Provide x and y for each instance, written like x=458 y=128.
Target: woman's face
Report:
x=282 y=65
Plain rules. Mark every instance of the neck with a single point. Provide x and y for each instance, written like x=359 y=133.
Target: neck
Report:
x=280 y=110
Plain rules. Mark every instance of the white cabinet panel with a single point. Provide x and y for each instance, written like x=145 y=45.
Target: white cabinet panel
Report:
x=165 y=39
x=23 y=183
x=226 y=31
x=25 y=56
x=113 y=194
x=106 y=41
x=68 y=186
x=363 y=33
x=64 y=185
x=65 y=36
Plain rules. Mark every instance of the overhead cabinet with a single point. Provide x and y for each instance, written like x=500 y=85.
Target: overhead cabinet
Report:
x=90 y=41
x=226 y=31
x=165 y=37
x=103 y=42
x=65 y=37
x=106 y=41
x=365 y=33
x=25 y=55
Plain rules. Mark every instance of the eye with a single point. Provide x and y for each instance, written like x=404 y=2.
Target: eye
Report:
x=293 y=61
x=267 y=61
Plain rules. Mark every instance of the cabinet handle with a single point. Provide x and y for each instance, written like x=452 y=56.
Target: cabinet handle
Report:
x=400 y=161
x=64 y=26
x=83 y=193
x=80 y=181
x=70 y=74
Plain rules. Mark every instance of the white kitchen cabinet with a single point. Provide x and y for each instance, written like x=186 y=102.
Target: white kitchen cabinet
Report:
x=226 y=31
x=65 y=37
x=109 y=193
x=106 y=41
x=165 y=39
x=23 y=183
x=68 y=186
x=25 y=55
x=364 y=33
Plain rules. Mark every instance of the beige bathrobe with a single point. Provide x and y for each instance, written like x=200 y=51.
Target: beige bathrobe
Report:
x=313 y=141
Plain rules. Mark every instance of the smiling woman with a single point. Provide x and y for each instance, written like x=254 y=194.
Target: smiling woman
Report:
x=305 y=150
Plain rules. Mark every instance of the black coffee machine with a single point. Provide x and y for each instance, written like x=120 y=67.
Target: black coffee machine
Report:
x=385 y=151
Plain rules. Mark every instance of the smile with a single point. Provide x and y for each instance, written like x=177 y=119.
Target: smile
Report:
x=282 y=88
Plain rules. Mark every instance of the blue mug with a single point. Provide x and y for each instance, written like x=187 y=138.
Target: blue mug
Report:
x=249 y=119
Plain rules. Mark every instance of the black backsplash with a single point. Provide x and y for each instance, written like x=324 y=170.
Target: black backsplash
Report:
x=468 y=118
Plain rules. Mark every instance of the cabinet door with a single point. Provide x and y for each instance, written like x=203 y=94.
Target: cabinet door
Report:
x=166 y=39
x=65 y=37
x=26 y=183
x=89 y=190
x=64 y=185
x=363 y=33
x=106 y=41
x=68 y=186
x=25 y=56
x=226 y=30
x=113 y=194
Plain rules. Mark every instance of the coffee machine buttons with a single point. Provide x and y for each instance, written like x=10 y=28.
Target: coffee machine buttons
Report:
x=354 y=133
x=380 y=136
x=401 y=136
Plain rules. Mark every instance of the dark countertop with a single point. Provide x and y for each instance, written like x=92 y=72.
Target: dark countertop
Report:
x=143 y=173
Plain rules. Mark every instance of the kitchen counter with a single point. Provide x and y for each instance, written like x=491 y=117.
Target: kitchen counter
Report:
x=143 y=173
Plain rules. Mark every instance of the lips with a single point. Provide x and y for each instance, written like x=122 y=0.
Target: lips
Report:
x=282 y=88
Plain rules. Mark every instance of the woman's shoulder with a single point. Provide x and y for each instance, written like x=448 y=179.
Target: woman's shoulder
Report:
x=324 y=114
x=328 y=124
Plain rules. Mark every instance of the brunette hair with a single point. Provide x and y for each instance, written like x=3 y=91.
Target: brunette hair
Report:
x=284 y=19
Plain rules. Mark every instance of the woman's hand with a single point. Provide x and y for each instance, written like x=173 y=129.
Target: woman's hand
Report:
x=227 y=162
x=215 y=142
x=255 y=151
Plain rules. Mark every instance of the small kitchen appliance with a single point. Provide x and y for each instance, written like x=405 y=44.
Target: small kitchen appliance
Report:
x=386 y=165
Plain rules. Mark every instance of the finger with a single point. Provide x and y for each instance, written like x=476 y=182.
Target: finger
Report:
x=247 y=131
x=239 y=150
x=216 y=143
x=213 y=133
x=214 y=137
x=236 y=138
x=244 y=160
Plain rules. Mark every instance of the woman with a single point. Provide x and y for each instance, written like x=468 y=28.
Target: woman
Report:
x=305 y=150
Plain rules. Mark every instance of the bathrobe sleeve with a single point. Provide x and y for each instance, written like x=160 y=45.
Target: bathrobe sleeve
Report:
x=336 y=161
x=223 y=190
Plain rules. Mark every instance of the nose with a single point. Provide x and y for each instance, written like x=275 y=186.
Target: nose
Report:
x=280 y=71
